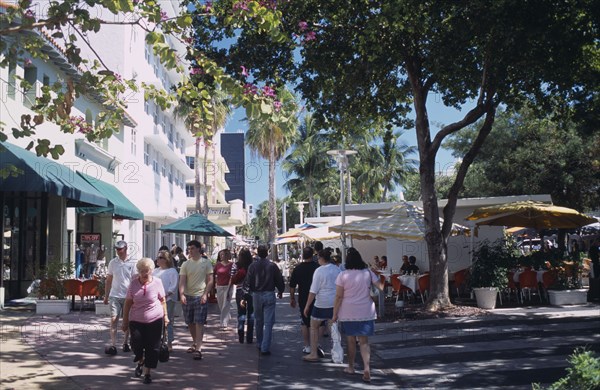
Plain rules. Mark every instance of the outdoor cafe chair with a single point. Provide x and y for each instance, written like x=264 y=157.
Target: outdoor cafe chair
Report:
x=528 y=281
x=511 y=286
x=398 y=288
x=89 y=290
x=424 y=286
x=548 y=279
x=460 y=279
x=73 y=288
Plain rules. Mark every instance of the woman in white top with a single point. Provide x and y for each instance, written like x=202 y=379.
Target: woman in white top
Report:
x=170 y=280
x=322 y=291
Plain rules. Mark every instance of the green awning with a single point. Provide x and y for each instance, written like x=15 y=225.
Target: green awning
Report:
x=40 y=174
x=118 y=204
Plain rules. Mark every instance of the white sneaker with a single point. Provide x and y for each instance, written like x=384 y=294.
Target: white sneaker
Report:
x=306 y=350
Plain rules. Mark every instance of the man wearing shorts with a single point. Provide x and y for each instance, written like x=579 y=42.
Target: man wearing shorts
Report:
x=302 y=278
x=121 y=270
x=195 y=283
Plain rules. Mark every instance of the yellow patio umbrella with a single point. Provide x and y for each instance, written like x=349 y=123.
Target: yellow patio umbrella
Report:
x=530 y=214
x=403 y=222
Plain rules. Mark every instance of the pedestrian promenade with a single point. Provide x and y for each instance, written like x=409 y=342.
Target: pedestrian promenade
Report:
x=509 y=349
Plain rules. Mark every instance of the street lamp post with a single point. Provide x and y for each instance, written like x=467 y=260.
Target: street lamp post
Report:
x=341 y=156
x=284 y=228
x=301 y=209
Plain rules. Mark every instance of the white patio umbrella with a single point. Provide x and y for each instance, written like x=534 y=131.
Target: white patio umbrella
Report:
x=403 y=222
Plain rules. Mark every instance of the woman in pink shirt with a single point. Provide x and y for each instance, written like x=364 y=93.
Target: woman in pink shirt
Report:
x=222 y=273
x=355 y=309
x=145 y=315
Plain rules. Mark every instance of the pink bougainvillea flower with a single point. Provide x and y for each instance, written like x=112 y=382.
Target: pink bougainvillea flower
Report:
x=196 y=71
x=268 y=91
x=208 y=6
x=244 y=71
x=163 y=16
x=310 y=36
x=250 y=89
x=241 y=5
x=80 y=125
x=277 y=105
x=302 y=26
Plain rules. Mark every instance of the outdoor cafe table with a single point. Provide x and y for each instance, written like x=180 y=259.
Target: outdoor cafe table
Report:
x=410 y=281
x=540 y=276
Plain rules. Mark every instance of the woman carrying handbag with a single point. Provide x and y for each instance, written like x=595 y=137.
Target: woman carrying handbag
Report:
x=145 y=315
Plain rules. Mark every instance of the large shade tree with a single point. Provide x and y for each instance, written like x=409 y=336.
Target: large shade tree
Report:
x=379 y=59
x=530 y=155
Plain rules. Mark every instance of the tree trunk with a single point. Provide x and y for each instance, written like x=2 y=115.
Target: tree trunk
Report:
x=349 y=185
x=205 y=179
x=272 y=202
x=197 y=176
x=312 y=205
x=437 y=245
x=272 y=199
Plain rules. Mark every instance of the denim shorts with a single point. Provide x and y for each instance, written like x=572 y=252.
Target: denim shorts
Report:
x=357 y=328
x=320 y=314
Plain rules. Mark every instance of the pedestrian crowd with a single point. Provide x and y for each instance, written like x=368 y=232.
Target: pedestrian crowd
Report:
x=144 y=294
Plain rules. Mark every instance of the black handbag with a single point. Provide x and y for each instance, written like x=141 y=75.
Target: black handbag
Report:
x=163 y=352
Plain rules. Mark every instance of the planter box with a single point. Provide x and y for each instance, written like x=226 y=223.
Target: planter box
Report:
x=102 y=309
x=52 y=306
x=568 y=297
x=486 y=297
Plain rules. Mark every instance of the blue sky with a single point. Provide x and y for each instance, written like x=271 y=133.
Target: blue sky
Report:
x=257 y=179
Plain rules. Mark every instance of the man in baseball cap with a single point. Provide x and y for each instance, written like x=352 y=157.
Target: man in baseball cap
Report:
x=121 y=270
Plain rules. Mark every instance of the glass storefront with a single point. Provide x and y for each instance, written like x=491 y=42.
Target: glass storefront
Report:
x=23 y=240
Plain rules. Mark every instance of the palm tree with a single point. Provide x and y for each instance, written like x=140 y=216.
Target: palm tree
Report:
x=309 y=164
x=397 y=166
x=270 y=136
x=204 y=129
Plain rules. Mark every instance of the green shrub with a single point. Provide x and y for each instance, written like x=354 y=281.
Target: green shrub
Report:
x=582 y=374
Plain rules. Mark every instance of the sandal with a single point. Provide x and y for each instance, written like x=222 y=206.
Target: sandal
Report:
x=192 y=349
x=366 y=377
x=348 y=371
x=197 y=355
x=112 y=350
x=311 y=359
x=139 y=369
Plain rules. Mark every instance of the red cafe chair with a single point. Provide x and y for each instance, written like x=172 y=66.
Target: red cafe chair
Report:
x=548 y=280
x=73 y=288
x=399 y=288
x=89 y=290
x=423 y=286
x=460 y=278
x=528 y=281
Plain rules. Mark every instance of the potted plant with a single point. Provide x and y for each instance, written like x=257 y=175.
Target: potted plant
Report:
x=489 y=272
x=51 y=291
x=567 y=290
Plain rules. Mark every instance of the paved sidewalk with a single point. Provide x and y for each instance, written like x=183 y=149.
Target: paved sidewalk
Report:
x=67 y=353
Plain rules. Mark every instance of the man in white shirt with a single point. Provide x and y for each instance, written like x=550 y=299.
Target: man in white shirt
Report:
x=121 y=270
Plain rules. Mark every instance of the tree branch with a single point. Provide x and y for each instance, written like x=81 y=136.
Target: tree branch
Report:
x=89 y=45
x=470 y=118
x=467 y=160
